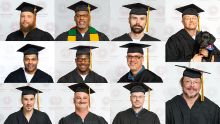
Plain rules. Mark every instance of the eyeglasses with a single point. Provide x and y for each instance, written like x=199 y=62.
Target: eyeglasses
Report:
x=82 y=59
x=134 y=57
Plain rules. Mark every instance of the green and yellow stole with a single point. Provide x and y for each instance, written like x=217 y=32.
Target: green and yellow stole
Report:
x=93 y=35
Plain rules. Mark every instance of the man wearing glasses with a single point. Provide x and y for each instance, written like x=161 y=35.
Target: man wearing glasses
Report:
x=135 y=60
x=82 y=73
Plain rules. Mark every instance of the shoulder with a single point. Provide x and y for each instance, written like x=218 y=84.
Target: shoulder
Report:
x=99 y=77
x=153 y=75
x=46 y=35
x=123 y=37
x=149 y=38
x=43 y=73
x=124 y=78
x=66 y=77
x=16 y=72
x=62 y=37
x=103 y=36
x=12 y=35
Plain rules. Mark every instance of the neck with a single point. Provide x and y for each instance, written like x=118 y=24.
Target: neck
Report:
x=135 y=72
x=137 y=109
x=191 y=32
x=33 y=72
x=28 y=114
x=136 y=36
x=83 y=30
x=83 y=73
x=25 y=33
x=82 y=113
x=190 y=101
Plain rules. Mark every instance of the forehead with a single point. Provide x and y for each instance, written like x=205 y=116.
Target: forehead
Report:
x=189 y=78
x=190 y=16
x=26 y=13
x=81 y=94
x=30 y=56
x=134 y=54
x=82 y=56
x=28 y=96
x=137 y=94
x=138 y=16
x=82 y=12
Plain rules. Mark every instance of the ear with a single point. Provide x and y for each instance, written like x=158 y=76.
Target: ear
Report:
x=212 y=38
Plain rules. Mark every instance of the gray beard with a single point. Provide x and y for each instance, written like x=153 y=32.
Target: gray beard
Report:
x=190 y=96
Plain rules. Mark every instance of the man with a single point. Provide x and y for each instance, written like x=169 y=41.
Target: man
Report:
x=82 y=31
x=27 y=114
x=190 y=107
x=137 y=114
x=82 y=72
x=81 y=100
x=28 y=30
x=135 y=59
x=137 y=20
x=29 y=73
x=181 y=46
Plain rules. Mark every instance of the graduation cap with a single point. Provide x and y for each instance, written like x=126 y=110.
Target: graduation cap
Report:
x=27 y=90
x=137 y=48
x=82 y=6
x=140 y=9
x=139 y=87
x=82 y=87
x=195 y=73
x=84 y=50
x=30 y=49
x=191 y=9
x=28 y=7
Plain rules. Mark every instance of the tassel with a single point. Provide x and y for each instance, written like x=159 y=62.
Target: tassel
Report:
x=149 y=100
x=202 y=88
x=90 y=58
x=147 y=57
x=199 y=26
x=38 y=101
x=148 y=18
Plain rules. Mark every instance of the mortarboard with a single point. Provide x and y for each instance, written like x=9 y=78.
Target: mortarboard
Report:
x=26 y=90
x=29 y=7
x=195 y=73
x=191 y=9
x=139 y=87
x=140 y=9
x=30 y=49
x=137 y=48
x=82 y=6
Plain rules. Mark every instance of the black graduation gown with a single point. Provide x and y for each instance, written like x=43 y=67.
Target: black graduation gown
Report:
x=18 y=76
x=178 y=112
x=34 y=35
x=181 y=47
x=37 y=117
x=129 y=117
x=76 y=119
x=126 y=37
x=64 y=36
x=74 y=77
x=144 y=76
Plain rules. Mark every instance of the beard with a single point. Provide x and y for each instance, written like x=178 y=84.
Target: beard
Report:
x=190 y=95
x=27 y=28
x=137 y=29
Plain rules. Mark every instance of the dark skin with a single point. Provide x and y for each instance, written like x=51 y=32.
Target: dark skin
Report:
x=82 y=63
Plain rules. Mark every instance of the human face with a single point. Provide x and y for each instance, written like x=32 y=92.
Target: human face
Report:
x=82 y=63
x=81 y=100
x=135 y=61
x=190 y=22
x=30 y=63
x=82 y=19
x=137 y=23
x=191 y=87
x=26 y=21
x=28 y=102
x=137 y=99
